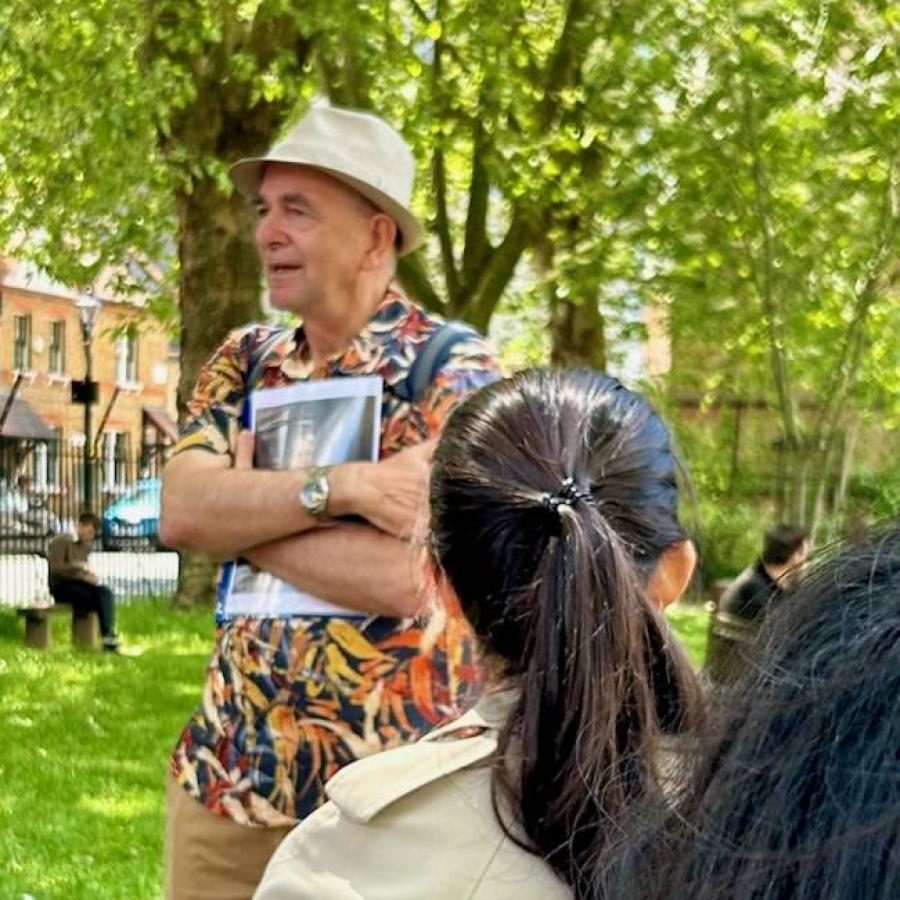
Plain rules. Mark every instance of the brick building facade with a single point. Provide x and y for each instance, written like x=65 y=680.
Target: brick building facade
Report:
x=41 y=352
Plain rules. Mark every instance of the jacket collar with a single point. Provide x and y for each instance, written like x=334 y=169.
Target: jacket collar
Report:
x=365 y=788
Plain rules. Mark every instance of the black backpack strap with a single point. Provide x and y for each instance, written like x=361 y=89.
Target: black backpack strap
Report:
x=430 y=359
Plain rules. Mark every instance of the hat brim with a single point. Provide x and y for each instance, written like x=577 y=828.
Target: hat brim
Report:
x=246 y=175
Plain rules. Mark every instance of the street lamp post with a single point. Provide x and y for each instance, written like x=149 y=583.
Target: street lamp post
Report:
x=85 y=392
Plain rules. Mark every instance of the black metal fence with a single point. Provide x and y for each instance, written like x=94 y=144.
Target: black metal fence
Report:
x=45 y=486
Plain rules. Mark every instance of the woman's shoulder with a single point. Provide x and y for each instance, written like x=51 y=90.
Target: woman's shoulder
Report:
x=418 y=820
x=369 y=786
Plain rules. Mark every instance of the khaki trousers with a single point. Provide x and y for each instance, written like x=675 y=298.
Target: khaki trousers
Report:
x=211 y=857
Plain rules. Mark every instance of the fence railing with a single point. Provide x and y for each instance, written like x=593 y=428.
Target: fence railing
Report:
x=131 y=576
x=45 y=486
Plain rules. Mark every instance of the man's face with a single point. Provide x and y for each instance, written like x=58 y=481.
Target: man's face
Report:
x=86 y=532
x=312 y=234
x=801 y=556
x=797 y=564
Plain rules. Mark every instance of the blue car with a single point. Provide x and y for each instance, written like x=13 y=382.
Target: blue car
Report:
x=132 y=522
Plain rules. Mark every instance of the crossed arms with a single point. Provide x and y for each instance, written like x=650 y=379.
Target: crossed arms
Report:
x=230 y=510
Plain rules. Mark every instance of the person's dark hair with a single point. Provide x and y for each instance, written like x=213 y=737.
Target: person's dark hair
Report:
x=782 y=542
x=797 y=796
x=89 y=518
x=556 y=595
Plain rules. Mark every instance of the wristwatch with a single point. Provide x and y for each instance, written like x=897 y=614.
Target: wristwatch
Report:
x=314 y=493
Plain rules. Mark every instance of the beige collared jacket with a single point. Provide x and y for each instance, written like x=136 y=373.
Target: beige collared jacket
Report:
x=414 y=822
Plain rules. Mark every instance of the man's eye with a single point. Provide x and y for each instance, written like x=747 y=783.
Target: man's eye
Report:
x=261 y=211
x=297 y=211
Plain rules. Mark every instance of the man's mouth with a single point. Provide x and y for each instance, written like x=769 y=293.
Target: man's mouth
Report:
x=282 y=268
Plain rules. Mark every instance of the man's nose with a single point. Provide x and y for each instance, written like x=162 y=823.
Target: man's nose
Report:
x=268 y=231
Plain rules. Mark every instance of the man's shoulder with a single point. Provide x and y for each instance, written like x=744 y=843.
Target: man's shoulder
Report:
x=425 y=354
x=406 y=320
x=748 y=586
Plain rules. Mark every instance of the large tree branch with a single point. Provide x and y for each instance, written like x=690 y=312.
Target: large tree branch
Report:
x=442 y=225
x=574 y=40
x=345 y=81
x=771 y=302
x=501 y=264
x=423 y=17
x=411 y=274
x=476 y=245
x=439 y=176
x=844 y=373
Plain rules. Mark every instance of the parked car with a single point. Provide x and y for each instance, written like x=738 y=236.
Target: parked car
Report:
x=132 y=522
x=25 y=522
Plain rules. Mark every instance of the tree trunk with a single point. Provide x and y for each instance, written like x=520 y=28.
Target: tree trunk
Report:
x=197 y=579
x=847 y=457
x=224 y=120
x=219 y=290
x=577 y=337
x=220 y=275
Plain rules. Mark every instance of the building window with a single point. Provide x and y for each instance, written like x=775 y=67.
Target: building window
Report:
x=47 y=464
x=127 y=359
x=115 y=460
x=57 y=364
x=22 y=343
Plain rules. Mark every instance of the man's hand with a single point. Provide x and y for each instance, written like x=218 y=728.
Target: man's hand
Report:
x=391 y=494
x=90 y=576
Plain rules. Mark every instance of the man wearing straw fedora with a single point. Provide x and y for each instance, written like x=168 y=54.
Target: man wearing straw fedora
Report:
x=290 y=699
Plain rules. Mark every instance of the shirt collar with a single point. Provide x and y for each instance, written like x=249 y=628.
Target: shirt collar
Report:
x=386 y=345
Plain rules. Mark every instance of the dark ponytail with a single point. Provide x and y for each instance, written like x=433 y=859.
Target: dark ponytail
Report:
x=554 y=585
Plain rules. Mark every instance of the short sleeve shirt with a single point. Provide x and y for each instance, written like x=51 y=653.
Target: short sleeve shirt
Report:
x=287 y=702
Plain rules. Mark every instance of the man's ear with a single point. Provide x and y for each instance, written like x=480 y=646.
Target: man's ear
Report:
x=673 y=573
x=382 y=234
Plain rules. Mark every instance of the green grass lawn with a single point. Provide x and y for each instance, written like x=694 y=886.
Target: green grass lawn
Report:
x=84 y=744
x=689 y=621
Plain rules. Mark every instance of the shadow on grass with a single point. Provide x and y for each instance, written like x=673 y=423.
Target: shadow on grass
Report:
x=86 y=740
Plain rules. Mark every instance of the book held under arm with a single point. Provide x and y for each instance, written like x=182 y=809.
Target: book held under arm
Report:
x=315 y=423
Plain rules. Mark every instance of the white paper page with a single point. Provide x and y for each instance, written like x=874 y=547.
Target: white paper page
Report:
x=315 y=423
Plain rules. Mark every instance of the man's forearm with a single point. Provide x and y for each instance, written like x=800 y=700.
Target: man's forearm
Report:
x=355 y=566
x=226 y=511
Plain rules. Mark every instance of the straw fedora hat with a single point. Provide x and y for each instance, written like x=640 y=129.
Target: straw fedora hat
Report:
x=358 y=149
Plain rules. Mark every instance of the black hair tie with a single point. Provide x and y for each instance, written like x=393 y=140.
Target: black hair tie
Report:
x=568 y=495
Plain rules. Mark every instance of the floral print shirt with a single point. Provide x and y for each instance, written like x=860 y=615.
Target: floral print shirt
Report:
x=289 y=701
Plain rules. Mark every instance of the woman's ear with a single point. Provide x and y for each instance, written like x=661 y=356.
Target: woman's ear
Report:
x=673 y=573
x=436 y=586
x=428 y=573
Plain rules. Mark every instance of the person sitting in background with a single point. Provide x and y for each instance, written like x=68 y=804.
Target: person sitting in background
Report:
x=797 y=793
x=746 y=600
x=73 y=582
x=554 y=524
x=785 y=551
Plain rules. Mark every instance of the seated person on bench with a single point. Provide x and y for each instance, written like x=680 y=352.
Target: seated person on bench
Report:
x=73 y=582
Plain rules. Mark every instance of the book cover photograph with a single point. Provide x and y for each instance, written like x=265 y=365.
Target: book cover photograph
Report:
x=314 y=423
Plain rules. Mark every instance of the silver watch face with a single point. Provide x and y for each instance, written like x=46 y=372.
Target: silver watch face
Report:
x=314 y=494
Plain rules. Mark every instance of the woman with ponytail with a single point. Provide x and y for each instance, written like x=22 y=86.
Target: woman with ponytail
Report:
x=554 y=524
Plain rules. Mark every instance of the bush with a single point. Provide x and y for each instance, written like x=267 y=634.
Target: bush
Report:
x=729 y=537
x=877 y=493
